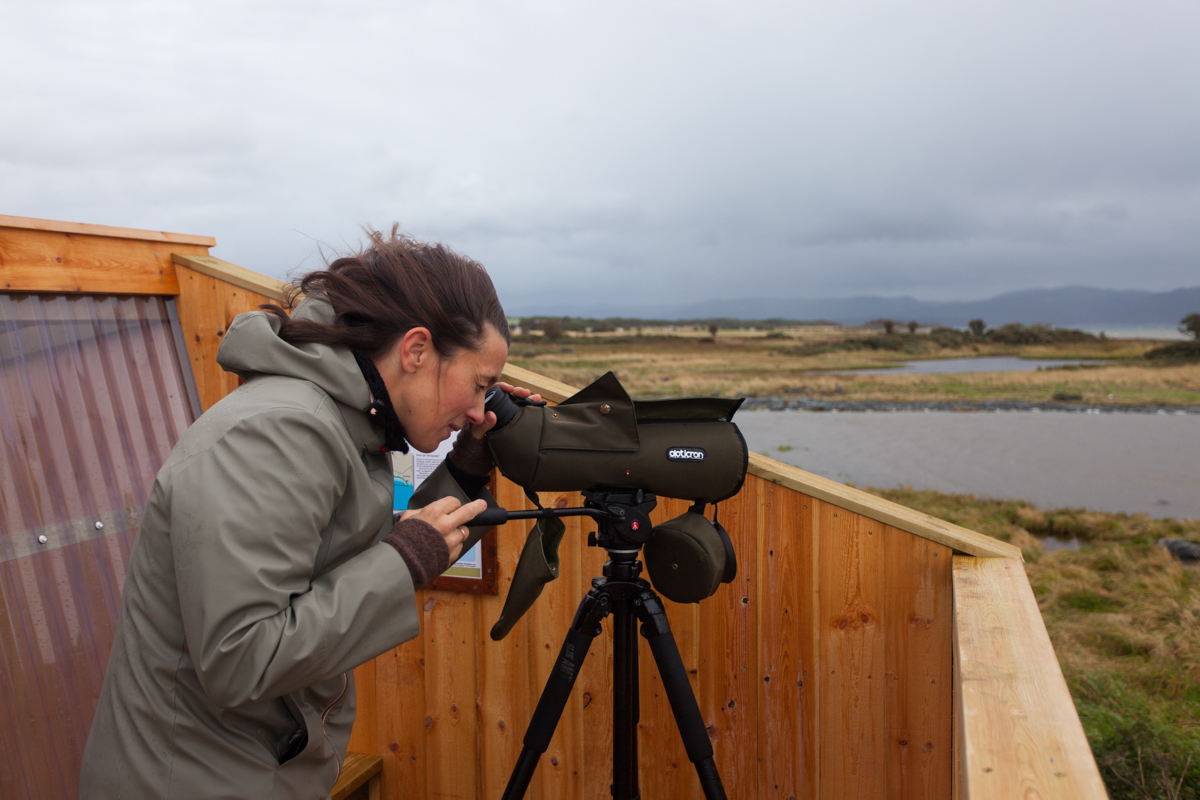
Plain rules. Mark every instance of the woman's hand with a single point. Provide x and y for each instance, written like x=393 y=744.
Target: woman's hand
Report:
x=449 y=517
x=519 y=392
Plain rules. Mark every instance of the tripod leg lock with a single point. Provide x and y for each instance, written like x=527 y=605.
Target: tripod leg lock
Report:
x=652 y=614
x=594 y=607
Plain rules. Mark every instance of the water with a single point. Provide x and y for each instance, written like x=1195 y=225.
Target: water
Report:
x=1105 y=462
x=984 y=364
x=1136 y=331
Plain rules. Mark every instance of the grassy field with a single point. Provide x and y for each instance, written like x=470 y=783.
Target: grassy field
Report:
x=788 y=364
x=1125 y=621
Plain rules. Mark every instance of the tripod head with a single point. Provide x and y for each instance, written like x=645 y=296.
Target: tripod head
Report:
x=622 y=517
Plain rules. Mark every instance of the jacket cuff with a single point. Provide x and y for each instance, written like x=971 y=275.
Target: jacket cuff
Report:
x=423 y=549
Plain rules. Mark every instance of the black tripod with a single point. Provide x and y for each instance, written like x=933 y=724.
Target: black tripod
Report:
x=623 y=521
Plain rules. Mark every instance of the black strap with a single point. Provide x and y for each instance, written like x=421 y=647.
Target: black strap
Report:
x=381 y=411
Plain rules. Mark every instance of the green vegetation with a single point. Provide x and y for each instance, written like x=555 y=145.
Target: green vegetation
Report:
x=1125 y=621
x=1191 y=324
x=1175 y=353
x=938 y=339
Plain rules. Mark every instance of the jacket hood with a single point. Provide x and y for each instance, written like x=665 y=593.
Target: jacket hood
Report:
x=252 y=347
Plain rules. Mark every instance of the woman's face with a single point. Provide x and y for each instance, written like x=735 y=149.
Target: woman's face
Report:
x=435 y=396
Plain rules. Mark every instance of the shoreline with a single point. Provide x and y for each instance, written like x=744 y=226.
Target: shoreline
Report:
x=777 y=403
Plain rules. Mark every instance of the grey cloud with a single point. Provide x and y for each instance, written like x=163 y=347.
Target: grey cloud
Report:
x=689 y=150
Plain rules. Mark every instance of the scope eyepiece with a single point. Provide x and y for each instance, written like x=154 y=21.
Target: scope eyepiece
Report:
x=501 y=404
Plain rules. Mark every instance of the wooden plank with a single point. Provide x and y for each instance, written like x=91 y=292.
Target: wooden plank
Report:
x=66 y=263
x=272 y=289
x=853 y=704
x=364 y=736
x=594 y=687
x=876 y=508
x=918 y=678
x=358 y=769
x=851 y=499
x=83 y=228
x=451 y=722
x=1021 y=736
x=548 y=388
x=505 y=703
x=727 y=624
x=206 y=308
x=788 y=612
x=560 y=773
x=663 y=766
x=401 y=719
x=202 y=320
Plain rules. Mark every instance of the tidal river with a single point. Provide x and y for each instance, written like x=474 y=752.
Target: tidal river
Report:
x=1105 y=462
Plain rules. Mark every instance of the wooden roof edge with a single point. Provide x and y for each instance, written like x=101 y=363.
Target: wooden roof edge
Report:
x=232 y=273
x=87 y=229
x=960 y=539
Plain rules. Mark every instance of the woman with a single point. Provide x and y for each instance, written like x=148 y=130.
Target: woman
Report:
x=267 y=566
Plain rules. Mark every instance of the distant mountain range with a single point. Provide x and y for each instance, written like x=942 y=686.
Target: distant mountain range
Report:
x=1071 y=305
x=1068 y=306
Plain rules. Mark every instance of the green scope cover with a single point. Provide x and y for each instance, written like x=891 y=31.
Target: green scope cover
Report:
x=687 y=449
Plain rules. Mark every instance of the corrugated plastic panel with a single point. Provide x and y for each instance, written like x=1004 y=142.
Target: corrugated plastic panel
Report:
x=94 y=393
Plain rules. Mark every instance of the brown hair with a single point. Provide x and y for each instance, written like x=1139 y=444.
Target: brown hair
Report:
x=394 y=285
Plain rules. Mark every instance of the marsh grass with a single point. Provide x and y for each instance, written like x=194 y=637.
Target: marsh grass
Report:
x=1125 y=621
x=756 y=366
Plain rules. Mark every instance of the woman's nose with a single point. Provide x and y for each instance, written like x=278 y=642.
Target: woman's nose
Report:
x=476 y=414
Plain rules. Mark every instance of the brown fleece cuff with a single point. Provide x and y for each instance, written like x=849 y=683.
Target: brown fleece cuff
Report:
x=422 y=548
x=471 y=455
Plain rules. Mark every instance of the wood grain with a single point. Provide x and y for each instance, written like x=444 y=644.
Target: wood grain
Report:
x=852 y=614
x=401 y=719
x=358 y=769
x=1021 y=736
x=365 y=733
x=919 y=679
x=206 y=307
x=272 y=288
x=451 y=722
x=787 y=609
x=727 y=686
x=83 y=228
x=68 y=263
x=505 y=703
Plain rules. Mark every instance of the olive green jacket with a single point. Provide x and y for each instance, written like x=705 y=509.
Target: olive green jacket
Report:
x=256 y=584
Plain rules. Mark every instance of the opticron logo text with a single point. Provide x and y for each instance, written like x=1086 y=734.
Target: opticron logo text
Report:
x=685 y=454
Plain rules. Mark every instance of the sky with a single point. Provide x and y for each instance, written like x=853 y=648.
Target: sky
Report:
x=603 y=156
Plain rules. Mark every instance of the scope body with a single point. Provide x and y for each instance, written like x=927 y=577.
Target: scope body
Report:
x=601 y=438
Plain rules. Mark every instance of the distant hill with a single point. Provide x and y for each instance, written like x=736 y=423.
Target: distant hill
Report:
x=1072 y=305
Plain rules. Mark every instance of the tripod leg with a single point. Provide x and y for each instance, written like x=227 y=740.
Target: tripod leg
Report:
x=625 y=692
x=657 y=630
x=593 y=608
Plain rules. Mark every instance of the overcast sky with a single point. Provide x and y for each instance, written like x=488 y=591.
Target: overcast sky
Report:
x=668 y=152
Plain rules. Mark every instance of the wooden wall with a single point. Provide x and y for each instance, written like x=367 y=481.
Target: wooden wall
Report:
x=824 y=670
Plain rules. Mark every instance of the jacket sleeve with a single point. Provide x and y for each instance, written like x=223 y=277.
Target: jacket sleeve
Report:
x=246 y=518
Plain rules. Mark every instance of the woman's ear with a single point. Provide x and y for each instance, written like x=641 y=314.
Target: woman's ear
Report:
x=416 y=349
